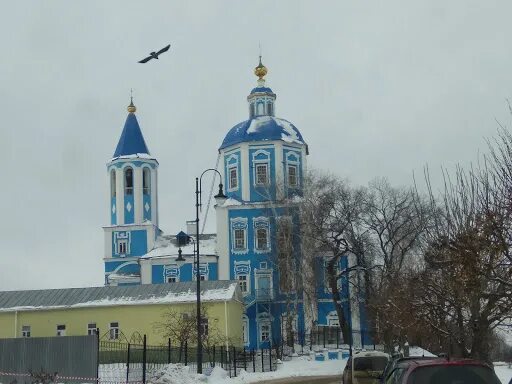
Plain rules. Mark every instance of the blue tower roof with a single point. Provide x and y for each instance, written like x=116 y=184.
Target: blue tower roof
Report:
x=262 y=128
x=261 y=90
x=131 y=141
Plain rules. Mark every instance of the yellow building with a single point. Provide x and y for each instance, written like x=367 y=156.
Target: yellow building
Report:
x=122 y=312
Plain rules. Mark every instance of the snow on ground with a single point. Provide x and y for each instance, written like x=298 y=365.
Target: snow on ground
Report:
x=418 y=351
x=504 y=371
x=299 y=367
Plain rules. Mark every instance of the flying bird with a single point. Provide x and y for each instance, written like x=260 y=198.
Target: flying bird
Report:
x=154 y=55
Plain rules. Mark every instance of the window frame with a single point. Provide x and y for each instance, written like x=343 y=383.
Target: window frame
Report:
x=61 y=330
x=146 y=181
x=236 y=245
x=245 y=282
x=265 y=245
x=113 y=330
x=26 y=331
x=289 y=175
x=265 y=324
x=233 y=186
x=257 y=181
x=92 y=330
x=128 y=190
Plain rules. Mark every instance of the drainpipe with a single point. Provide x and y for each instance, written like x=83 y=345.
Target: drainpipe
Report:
x=226 y=323
x=15 y=322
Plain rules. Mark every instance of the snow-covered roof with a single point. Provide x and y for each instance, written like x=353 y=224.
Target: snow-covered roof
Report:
x=263 y=128
x=166 y=245
x=182 y=292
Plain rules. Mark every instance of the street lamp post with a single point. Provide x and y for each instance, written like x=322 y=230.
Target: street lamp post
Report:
x=218 y=197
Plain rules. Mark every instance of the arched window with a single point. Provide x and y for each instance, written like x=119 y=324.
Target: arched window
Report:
x=260 y=108
x=270 y=109
x=251 y=110
x=128 y=181
x=146 y=181
x=113 y=183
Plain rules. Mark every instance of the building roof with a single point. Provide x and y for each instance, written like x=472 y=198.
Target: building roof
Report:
x=182 y=292
x=131 y=141
x=167 y=245
x=262 y=128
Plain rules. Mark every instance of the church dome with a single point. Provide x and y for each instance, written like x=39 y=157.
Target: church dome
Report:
x=262 y=128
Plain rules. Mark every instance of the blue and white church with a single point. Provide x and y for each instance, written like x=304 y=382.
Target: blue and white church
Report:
x=263 y=162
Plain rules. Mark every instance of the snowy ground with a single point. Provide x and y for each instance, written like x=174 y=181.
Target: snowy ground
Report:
x=504 y=372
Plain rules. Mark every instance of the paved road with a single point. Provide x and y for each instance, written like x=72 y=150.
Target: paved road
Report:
x=306 y=380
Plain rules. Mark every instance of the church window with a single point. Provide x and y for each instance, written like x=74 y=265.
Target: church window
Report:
x=128 y=181
x=251 y=110
x=270 y=109
x=203 y=272
x=122 y=246
x=114 y=331
x=261 y=238
x=172 y=279
x=113 y=183
x=261 y=174
x=245 y=329
x=243 y=282
x=261 y=107
x=239 y=239
x=25 y=331
x=92 y=329
x=146 y=181
x=233 y=178
x=61 y=330
x=292 y=175
x=264 y=327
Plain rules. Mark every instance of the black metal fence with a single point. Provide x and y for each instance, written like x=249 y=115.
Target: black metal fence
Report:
x=132 y=362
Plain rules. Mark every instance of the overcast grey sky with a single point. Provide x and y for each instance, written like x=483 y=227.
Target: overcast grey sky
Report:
x=377 y=88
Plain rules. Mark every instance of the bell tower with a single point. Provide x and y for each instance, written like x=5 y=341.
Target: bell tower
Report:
x=133 y=204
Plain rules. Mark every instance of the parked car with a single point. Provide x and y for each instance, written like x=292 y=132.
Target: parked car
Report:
x=365 y=368
x=442 y=371
x=402 y=362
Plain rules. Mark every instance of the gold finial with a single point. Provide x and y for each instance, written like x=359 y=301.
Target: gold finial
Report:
x=260 y=70
x=131 y=108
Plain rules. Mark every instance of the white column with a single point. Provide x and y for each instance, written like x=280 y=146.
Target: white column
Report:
x=154 y=196
x=145 y=271
x=137 y=195
x=221 y=215
x=120 y=196
x=108 y=243
x=245 y=171
x=279 y=165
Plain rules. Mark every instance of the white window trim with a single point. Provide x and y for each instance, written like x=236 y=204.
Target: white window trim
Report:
x=112 y=328
x=243 y=268
x=296 y=164
x=245 y=330
x=204 y=270
x=171 y=270
x=27 y=332
x=262 y=320
x=259 y=223
x=264 y=273
x=61 y=332
x=239 y=223
x=230 y=164
x=332 y=317
x=95 y=329
x=265 y=162
x=122 y=237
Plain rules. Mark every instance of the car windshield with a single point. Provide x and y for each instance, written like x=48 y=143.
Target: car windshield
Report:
x=370 y=363
x=453 y=374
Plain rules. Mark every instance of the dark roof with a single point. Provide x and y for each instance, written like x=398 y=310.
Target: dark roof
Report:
x=218 y=290
x=131 y=141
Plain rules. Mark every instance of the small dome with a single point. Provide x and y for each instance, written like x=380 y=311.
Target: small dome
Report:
x=261 y=90
x=262 y=128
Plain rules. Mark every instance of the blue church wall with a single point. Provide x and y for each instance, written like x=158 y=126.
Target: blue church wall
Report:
x=146 y=199
x=132 y=268
x=113 y=211
x=137 y=243
x=262 y=155
x=322 y=284
x=159 y=273
x=129 y=209
x=232 y=160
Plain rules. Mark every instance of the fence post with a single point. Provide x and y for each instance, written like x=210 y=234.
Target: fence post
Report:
x=245 y=360
x=214 y=357
x=253 y=360
x=324 y=334
x=337 y=338
x=98 y=353
x=262 y=361
x=144 y=361
x=128 y=364
x=270 y=357
x=222 y=357
x=186 y=353
x=169 y=351
x=234 y=359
